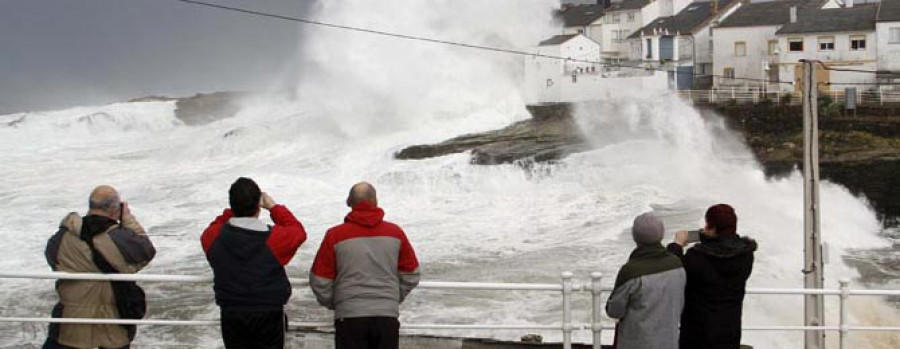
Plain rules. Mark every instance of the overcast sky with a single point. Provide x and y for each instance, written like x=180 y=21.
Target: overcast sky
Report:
x=60 y=53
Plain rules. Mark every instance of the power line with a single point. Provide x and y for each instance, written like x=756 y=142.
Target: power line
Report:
x=862 y=83
x=458 y=44
x=885 y=72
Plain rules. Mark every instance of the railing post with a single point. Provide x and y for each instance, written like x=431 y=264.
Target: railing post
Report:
x=567 y=309
x=596 y=307
x=845 y=327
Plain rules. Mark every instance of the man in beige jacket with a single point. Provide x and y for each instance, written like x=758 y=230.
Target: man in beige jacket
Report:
x=107 y=240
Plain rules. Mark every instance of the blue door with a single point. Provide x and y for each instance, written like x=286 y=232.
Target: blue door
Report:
x=666 y=48
x=685 y=78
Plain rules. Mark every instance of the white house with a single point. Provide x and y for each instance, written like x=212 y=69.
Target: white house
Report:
x=551 y=80
x=682 y=42
x=887 y=33
x=544 y=76
x=745 y=44
x=841 y=37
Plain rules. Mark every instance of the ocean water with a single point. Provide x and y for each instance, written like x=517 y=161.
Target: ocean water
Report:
x=358 y=99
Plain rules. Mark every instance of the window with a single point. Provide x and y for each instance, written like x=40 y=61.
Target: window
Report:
x=773 y=73
x=858 y=42
x=631 y=16
x=619 y=36
x=795 y=44
x=826 y=43
x=728 y=73
x=649 y=49
x=615 y=18
x=773 y=47
x=740 y=49
x=895 y=36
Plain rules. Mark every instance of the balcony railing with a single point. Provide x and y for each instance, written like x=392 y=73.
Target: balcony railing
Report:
x=566 y=288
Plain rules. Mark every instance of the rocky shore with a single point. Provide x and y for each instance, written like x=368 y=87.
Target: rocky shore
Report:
x=550 y=134
x=862 y=152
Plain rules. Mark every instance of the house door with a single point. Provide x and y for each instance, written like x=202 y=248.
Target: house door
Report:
x=666 y=48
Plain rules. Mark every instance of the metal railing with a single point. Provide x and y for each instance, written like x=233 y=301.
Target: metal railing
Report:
x=741 y=96
x=566 y=288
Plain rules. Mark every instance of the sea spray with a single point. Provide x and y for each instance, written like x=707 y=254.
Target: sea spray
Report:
x=359 y=99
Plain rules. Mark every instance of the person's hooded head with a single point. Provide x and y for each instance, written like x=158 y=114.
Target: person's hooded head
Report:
x=647 y=229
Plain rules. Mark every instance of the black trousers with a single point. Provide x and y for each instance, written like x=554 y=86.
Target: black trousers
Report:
x=253 y=329
x=367 y=333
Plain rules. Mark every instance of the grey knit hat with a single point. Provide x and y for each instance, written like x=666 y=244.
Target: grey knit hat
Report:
x=647 y=229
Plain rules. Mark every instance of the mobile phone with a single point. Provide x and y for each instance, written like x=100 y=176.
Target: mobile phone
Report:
x=694 y=235
x=121 y=211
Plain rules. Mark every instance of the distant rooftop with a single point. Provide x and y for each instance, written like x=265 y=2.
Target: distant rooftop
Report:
x=580 y=15
x=858 y=18
x=689 y=19
x=889 y=11
x=556 y=40
x=631 y=5
x=757 y=14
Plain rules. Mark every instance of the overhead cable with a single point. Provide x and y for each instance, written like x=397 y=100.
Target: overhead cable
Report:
x=460 y=44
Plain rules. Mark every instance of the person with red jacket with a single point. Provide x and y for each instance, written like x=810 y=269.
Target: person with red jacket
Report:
x=248 y=258
x=364 y=269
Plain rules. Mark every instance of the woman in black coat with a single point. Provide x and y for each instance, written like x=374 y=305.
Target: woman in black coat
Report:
x=717 y=271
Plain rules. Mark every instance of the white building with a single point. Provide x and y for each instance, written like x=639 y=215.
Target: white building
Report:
x=840 y=37
x=745 y=44
x=887 y=33
x=552 y=80
x=682 y=42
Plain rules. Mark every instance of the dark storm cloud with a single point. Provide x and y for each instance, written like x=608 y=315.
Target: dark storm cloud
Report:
x=59 y=53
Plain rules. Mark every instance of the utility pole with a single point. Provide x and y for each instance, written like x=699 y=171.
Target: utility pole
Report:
x=814 y=305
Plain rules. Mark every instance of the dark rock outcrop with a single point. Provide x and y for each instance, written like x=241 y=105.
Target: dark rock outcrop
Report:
x=549 y=135
x=202 y=108
x=205 y=108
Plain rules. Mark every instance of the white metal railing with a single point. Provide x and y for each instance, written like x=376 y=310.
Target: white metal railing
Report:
x=567 y=287
x=743 y=95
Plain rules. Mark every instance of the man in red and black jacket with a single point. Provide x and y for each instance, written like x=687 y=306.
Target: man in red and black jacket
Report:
x=248 y=258
x=364 y=269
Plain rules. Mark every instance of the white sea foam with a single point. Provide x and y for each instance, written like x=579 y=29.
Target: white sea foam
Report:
x=359 y=99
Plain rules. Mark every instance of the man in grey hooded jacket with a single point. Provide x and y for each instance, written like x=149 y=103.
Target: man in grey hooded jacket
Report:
x=649 y=292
